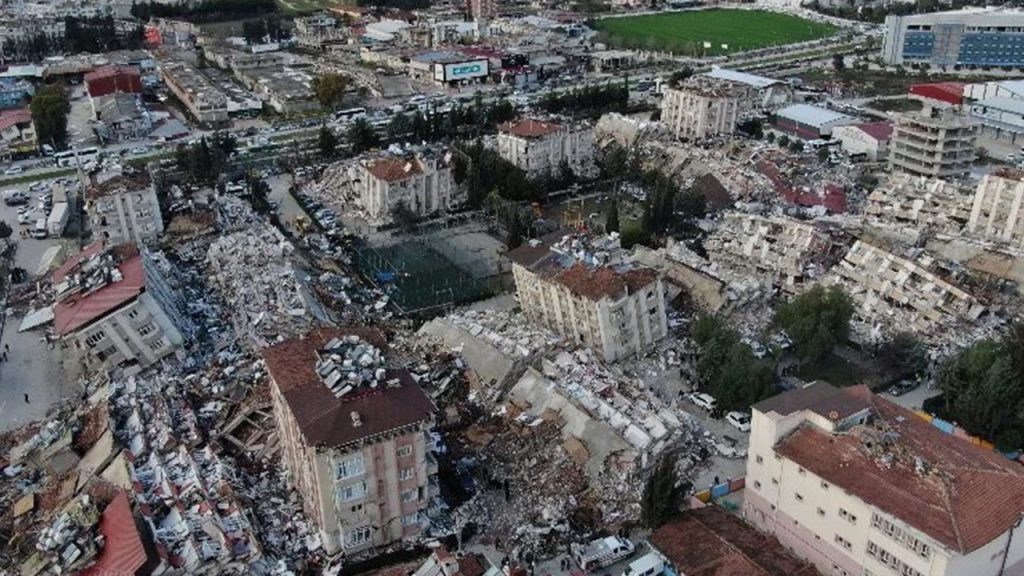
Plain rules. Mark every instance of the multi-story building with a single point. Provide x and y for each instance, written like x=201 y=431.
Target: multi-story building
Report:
x=113 y=79
x=998 y=210
x=616 y=310
x=120 y=210
x=121 y=117
x=204 y=100
x=285 y=89
x=354 y=442
x=768 y=93
x=973 y=37
x=861 y=486
x=15 y=92
x=934 y=142
x=540 y=147
x=703 y=106
x=482 y=9
x=916 y=203
x=424 y=183
x=115 y=308
x=17 y=132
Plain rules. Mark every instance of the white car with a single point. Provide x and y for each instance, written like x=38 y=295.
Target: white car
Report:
x=705 y=401
x=739 y=421
x=14 y=171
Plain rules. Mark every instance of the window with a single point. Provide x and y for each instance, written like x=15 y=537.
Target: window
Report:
x=760 y=460
x=775 y=481
x=847 y=516
x=410 y=519
x=95 y=338
x=357 y=536
x=890 y=560
x=107 y=352
x=757 y=484
x=800 y=470
x=824 y=485
x=821 y=511
x=403 y=451
x=146 y=329
x=406 y=473
x=157 y=343
x=799 y=498
x=357 y=508
x=350 y=466
x=351 y=492
x=844 y=542
x=133 y=313
x=409 y=496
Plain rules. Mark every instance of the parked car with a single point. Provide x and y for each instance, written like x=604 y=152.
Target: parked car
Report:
x=15 y=197
x=14 y=171
x=649 y=564
x=26 y=217
x=705 y=401
x=39 y=231
x=739 y=421
x=602 y=552
x=903 y=386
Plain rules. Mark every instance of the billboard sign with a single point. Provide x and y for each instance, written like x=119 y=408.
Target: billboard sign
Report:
x=465 y=70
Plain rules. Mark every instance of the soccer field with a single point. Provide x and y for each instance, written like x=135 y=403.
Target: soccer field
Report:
x=686 y=32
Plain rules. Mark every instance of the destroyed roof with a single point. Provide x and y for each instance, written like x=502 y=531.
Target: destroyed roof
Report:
x=108 y=71
x=62 y=272
x=9 y=118
x=812 y=115
x=76 y=311
x=752 y=80
x=118 y=184
x=529 y=128
x=711 y=542
x=323 y=418
x=715 y=194
x=601 y=282
x=123 y=553
x=394 y=169
x=960 y=494
x=877 y=130
x=821 y=398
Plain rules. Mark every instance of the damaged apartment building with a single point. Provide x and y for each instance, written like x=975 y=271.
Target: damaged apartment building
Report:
x=354 y=437
x=912 y=204
x=116 y=307
x=124 y=209
x=702 y=107
x=936 y=142
x=856 y=484
x=582 y=291
x=541 y=147
x=423 y=182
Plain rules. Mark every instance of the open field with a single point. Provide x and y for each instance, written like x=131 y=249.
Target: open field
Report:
x=686 y=32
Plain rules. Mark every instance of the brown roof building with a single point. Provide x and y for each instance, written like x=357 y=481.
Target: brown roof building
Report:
x=849 y=479
x=423 y=182
x=353 y=435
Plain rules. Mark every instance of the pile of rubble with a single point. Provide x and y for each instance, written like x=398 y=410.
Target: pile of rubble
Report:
x=509 y=332
x=349 y=363
x=259 y=285
x=70 y=542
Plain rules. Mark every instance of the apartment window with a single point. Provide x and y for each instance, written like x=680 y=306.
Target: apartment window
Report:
x=351 y=492
x=759 y=459
x=847 y=516
x=799 y=498
x=824 y=485
x=410 y=519
x=351 y=466
x=757 y=484
x=406 y=473
x=146 y=329
x=404 y=451
x=133 y=313
x=844 y=542
x=357 y=536
x=821 y=511
x=107 y=352
x=409 y=496
x=775 y=481
x=93 y=339
x=357 y=508
x=800 y=470
x=157 y=343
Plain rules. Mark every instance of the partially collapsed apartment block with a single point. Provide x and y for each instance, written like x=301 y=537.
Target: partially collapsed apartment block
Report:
x=424 y=183
x=998 y=210
x=934 y=142
x=920 y=203
x=703 y=107
x=593 y=298
x=858 y=485
x=353 y=434
x=542 y=147
x=786 y=250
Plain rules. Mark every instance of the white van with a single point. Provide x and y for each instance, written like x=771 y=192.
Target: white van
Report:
x=39 y=231
x=649 y=564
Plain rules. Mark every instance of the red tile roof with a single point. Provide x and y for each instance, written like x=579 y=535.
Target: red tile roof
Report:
x=10 y=118
x=108 y=71
x=394 y=169
x=75 y=312
x=600 y=282
x=529 y=128
x=881 y=131
x=325 y=420
x=711 y=542
x=122 y=552
x=962 y=495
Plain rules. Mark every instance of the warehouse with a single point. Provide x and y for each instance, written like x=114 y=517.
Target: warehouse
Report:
x=810 y=122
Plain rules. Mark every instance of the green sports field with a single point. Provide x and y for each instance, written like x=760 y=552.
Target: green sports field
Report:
x=686 y=32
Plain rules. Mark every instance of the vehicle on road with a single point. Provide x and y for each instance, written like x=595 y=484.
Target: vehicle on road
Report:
x=649 y=564
x=903 y=386
x=14 y=171
x=705 y=401
x=15 y=197
x=739 y=421
x=602 y=552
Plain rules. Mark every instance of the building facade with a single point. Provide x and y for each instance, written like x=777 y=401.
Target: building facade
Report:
x=424 y=183
x=935 y=142
x=15 y=92
x=113 y=79
x=120 y=212
x=202 y=99
x=860 y=486
x=971 y=38
x=998 y=210
x=129 y=322
x=356 y=453
x=540 y=148
x=17 y=132
x=703 y=107
x=616 y=312
x=869 y=141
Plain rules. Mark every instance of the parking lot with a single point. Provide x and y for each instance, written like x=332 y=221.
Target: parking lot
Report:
x=720 y=467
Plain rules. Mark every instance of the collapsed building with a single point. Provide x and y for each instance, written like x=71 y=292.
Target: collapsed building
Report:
x=997 y=213
x=590 y=295
x=934 y=142
x=354 y=436
x=913 y=204
x=124 y=209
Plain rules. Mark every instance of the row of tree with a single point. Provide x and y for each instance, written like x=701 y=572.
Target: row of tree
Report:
x=592 y=100
x=50 y=108
x=202 y=162
x=203 y=10
x=460 y=121
x=92 y=34
x=260 y=30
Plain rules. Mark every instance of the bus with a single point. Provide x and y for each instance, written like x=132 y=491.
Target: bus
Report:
x=350 y=114
x=85 y=155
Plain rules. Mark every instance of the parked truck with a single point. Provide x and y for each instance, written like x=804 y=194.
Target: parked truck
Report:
x=602 y=552
x=649 y=564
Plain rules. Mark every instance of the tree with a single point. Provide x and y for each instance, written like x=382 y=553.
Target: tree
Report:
x=903 y=354
x=258 y=192
x=361 y=136
x=692 y=204
x=680 y=76
x=400 y=127
x=327 y=142
x=254 y=31
x=782 y=141
x=404 y=216
x=838 y=62
x=823 y=154
x=817 y=321
x=611 y=219
x=50 y=108
x=661 y=497
x=330 y=88
x=727 y=368
x=5 y=230
x=516 y=232
x=981 y=391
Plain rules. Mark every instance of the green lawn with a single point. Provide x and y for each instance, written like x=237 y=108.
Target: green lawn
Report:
x=686 y=32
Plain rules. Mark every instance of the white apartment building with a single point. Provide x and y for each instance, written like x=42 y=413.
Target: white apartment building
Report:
x=356 y=451
x=860 y=486
x=615 y=311
x=541 y=147
x=115 y=308
x=120 y=212
x=703 y=107
x=425 y=183
x=934 y=142
x=998 y=210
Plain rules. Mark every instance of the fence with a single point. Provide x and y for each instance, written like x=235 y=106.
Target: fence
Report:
x=719 y=490
x=954 y=430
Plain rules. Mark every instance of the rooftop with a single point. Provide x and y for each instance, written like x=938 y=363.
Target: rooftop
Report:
x=329 y=420
x=122 y=552
x=529 y=128
x=812 y=115
x=711 y=542
x=108 y=71
x=752 y=80
x=877 y=130
x=9 y=118
x=100 y=289
x=394 y=169
x=960 y=494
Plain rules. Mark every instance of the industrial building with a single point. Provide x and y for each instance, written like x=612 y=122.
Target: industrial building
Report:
x=810 y=122
x=423 y=182
x=868 y=141
x=936 y=142
x=573 y=288
x=972 y=38
x=769 y=93
x=702 y=107
x=1000 y=119
x=541 y=147
x=354 y=437
x=859 y=485
x=445 y=68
